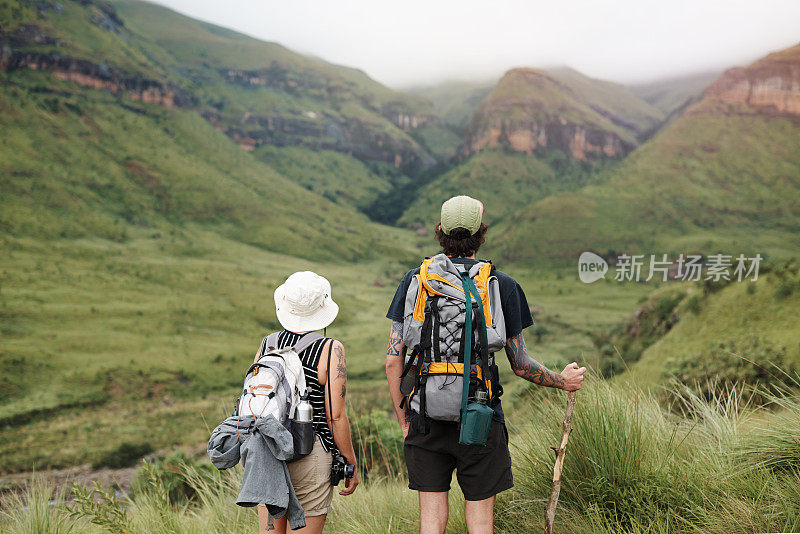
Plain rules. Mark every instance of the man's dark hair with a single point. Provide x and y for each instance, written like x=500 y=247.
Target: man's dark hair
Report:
x=459 y=244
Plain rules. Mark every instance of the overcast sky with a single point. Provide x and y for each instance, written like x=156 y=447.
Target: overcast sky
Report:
x=413 y=42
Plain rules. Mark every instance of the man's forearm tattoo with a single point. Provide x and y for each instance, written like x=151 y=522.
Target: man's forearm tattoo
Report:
x=527 y=367
x=341 y=369
x=395 y=339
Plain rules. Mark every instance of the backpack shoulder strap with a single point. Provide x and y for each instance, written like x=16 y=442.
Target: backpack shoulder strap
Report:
x=271 y=342
x=304 y=342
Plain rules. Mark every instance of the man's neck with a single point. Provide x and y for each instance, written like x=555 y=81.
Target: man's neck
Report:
x=464 y=257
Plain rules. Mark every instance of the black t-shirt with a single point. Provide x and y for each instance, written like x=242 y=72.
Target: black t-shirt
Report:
x=516 y=312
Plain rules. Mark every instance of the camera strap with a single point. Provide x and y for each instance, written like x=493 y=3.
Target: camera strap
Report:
x=329 y=409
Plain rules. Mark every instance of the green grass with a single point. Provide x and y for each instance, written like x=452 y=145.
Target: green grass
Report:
x=630 y=467
x=338 y=177
x=129 y=339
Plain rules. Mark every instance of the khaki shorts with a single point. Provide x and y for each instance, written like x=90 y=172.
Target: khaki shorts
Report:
x=311 y=478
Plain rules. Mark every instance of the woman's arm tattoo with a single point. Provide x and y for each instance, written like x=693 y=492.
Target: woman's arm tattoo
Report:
x=527 y=367
x=341 y=369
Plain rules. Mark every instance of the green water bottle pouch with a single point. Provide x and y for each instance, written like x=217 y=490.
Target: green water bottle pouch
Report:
x=476 y=420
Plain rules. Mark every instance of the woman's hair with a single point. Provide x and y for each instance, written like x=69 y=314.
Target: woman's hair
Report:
x=459 y=244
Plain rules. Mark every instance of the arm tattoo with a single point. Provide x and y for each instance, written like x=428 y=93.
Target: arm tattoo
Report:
x=341 y=369
x=395 y=339
x=527 y=367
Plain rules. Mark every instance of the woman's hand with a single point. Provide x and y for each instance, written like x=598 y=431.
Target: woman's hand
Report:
x=350 y=484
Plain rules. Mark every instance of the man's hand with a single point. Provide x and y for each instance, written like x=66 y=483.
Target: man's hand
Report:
x=573 y=377
x=404 y=426
x=350 y=484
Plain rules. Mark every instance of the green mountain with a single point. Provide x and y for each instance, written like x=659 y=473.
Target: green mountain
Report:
x=672 y=94
x=724 y=176
x=536 y=133
x=148 y=111
x=456 y=101
x=529 y=110
x=619 y=104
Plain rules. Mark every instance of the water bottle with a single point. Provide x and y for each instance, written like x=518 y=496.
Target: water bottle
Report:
x=481 y=397
x=304 y=412
x=303 y=428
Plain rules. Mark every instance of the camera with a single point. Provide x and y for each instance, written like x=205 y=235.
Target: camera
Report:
x=340 y=469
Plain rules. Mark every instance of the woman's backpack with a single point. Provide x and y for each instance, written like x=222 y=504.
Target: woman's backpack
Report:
x=275 y=382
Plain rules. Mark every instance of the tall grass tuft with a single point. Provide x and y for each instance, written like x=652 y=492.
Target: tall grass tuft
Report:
x=33 y=512
x=633 y=466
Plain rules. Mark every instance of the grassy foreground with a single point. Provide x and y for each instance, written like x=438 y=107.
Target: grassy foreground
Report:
x=721 y=466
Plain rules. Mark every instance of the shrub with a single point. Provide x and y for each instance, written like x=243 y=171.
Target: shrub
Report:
x=732 y=365
x=177 y=473
x=378 y=443
x=124 y=455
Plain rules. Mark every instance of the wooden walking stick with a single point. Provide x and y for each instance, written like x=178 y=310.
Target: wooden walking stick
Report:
x=550 y=511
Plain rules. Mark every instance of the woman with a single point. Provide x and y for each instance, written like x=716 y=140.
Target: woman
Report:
x=304 y=304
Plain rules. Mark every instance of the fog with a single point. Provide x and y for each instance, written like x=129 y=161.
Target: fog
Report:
x=418 y=42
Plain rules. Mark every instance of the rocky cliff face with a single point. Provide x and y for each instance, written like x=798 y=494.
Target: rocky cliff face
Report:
x=576 y=140
x=530 y=111
x=770 y=85
x=309 y=83
x=95 y=76
x=14 y=56
x=360 y=139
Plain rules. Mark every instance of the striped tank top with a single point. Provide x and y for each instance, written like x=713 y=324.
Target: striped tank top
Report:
x=316 y=392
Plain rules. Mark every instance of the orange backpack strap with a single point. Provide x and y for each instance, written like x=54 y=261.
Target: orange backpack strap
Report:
x=482 y=281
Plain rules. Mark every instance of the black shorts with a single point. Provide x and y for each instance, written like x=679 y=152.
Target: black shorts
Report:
x=481 y=471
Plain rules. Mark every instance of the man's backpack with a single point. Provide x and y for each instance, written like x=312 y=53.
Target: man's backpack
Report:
x=274 y=383
x=433 y=330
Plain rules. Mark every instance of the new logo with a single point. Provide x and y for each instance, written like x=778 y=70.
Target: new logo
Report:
x=591 y=267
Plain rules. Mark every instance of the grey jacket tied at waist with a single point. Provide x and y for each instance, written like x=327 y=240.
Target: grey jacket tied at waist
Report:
x=263 y=450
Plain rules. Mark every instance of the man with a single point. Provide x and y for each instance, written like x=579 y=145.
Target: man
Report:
x=431 y=455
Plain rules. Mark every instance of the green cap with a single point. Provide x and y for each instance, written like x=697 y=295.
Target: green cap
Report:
x=462 y=212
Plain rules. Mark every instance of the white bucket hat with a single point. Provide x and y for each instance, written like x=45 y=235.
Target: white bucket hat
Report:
x=303 y=303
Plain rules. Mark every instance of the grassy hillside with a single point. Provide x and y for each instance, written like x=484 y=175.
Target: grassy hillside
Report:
x=335 y=176
x=720 y=334
x=708 y=182
x=77 y=164
x=624 y=107
x=505 y=182
x=257 y=93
